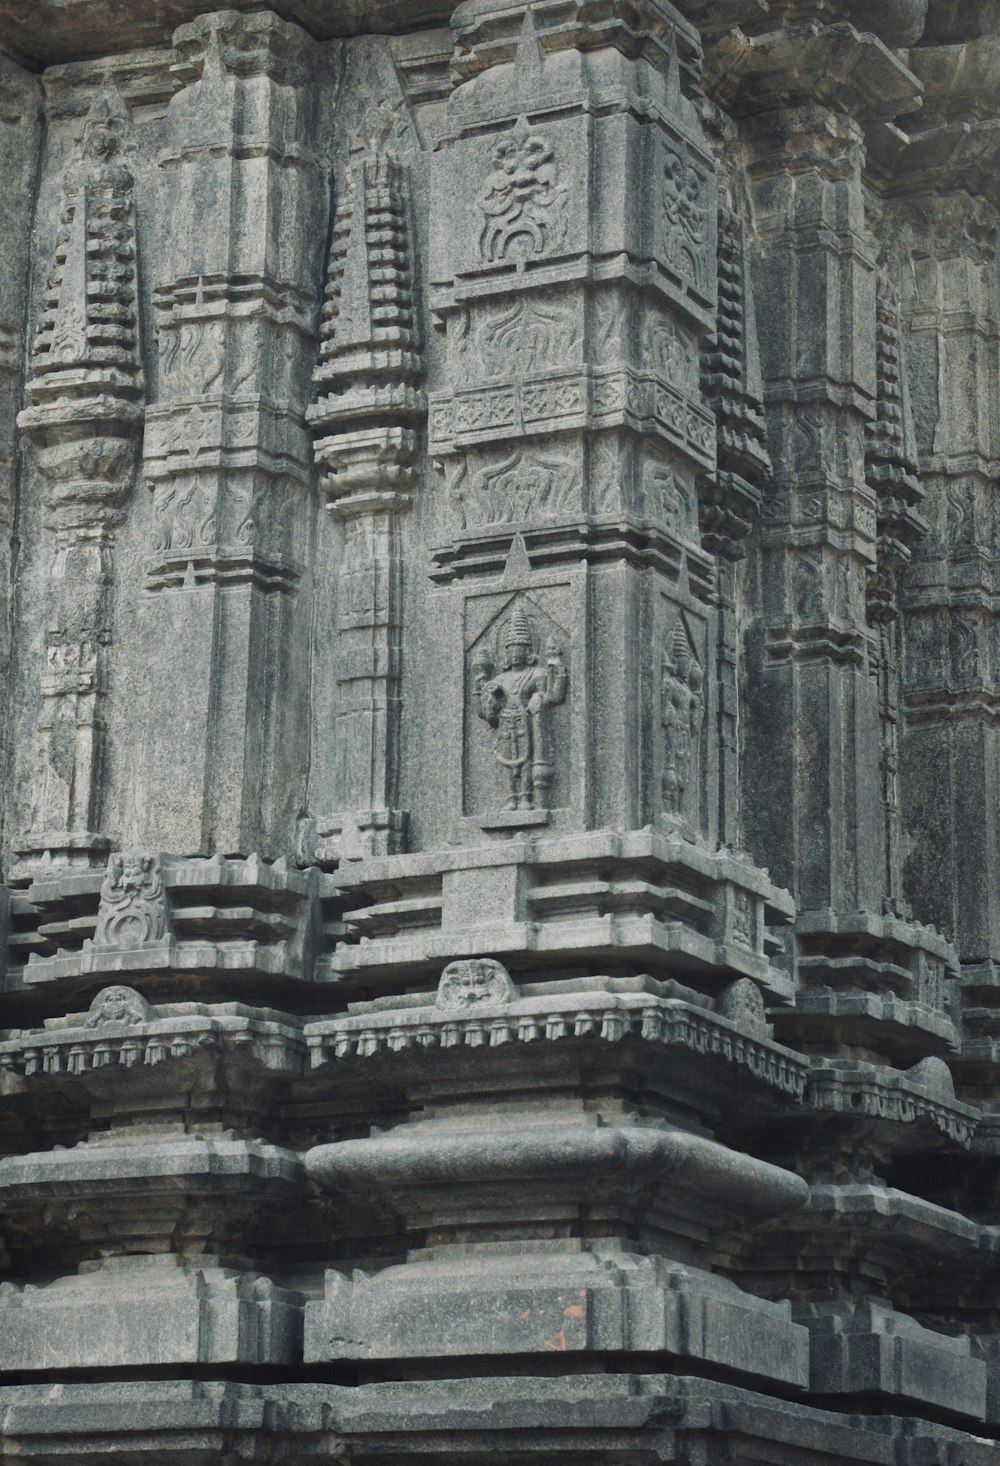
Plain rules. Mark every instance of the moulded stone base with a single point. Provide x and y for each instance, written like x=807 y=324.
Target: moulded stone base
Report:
x=870 y=1348
x=537 y=1305
x=149 y=1311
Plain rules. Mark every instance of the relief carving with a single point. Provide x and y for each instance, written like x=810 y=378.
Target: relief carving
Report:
x=684 y=216
x=118 y=1005
x=133 y=906
x=670 y=351
x=473 y=982
x=514 y=702
x=523 y=489
x=525 y=337
x=682 y=705
x=523 y=199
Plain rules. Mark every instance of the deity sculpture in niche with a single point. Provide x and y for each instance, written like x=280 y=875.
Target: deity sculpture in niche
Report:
x=514 y=702
x=682 y=704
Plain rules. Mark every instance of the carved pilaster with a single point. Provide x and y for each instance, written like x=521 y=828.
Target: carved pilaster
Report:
x=227 y=453
x=820 y=706
x=891 y=471
x=20 y=138
x=950 y=593
x=84 y=419
x=571 y=428
x=729 y=499
x=367 y=420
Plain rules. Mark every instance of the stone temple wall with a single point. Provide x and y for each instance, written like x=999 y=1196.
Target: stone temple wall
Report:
x=500 y=573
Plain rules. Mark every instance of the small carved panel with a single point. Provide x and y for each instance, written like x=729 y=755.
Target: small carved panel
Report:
x=475 y=982
x=682 y=713
x=133 y=906
x=514 y=201
x=118 y=1005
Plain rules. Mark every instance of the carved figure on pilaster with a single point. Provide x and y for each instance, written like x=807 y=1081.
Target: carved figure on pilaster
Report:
x=682 y=706
x=513 y=701
x=84 y=420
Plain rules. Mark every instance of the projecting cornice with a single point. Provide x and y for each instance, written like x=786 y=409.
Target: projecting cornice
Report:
x=50 y=31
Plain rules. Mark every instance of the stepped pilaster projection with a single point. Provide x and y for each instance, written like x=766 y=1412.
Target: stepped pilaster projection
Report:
x=20 y=136
x=85 y=417
x=892 y=472
x=946 y=215
x=368 y=422
x=729 y=500
x=813 y=662
x=227 y=453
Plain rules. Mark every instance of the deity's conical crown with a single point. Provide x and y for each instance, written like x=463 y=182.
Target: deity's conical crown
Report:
x=680 y=650
x=518 y=630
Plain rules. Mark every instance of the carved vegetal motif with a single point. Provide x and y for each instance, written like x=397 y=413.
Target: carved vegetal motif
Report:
x=473 y=982
x=185 y=514
x=118 y=1005
x=605 y=475
x=514 y=701
x=528 y=336
x=668 y=501
x=523 y=489
x=192 y=357
x=667 y=349
x=682 y=705
x=133 y=907
x=684 y=216
x=964 y=648
x=524 y=199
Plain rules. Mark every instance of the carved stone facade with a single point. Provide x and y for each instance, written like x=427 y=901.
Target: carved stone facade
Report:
x=500 y=653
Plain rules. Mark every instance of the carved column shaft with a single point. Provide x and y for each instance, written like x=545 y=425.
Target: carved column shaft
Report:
x=813 y=751
x=226 y=448
x=83 y=419
x=20 y=137
x=367 y=418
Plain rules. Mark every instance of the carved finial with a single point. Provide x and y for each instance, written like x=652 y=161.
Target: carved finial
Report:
x=743 y=1004
x=518 y=565
x=528 y=61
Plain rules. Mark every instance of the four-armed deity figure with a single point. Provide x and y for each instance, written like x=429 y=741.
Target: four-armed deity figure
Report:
x=681 y=707
x=513 y=702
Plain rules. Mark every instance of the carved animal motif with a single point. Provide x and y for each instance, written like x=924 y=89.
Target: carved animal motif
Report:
x=473 y=982
x=120 y=1005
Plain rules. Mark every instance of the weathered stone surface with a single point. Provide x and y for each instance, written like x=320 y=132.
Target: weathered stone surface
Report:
x=498 y=696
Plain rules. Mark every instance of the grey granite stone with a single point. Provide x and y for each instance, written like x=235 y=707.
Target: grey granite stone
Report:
x=500 y=900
